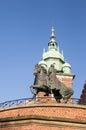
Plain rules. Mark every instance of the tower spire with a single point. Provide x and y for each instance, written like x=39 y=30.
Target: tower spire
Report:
x=52 y=43
x=52 y=37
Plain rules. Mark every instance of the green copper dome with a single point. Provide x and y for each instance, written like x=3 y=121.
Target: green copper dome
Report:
x=66 y=65
x=53 y=55
x=66 y=68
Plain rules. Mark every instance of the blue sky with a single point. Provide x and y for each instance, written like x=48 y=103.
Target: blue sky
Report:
x=25 y=28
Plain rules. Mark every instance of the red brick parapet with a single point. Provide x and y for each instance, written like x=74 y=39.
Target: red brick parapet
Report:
x=63 y=115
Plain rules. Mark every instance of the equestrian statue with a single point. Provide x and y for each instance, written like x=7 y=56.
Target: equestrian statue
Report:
x=46 y=81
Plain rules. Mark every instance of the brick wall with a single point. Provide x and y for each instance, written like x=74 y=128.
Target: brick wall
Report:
x=40 y=127
x=66 y=79
x=43 y=117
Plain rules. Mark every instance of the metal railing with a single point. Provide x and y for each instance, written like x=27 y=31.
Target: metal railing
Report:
x=23 y=101
x=15 y=102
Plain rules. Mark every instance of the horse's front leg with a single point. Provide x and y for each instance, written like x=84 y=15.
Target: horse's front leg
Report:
x=33 y=90
x=68 y=95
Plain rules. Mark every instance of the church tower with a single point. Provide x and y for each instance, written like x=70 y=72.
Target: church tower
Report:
x=54 y=56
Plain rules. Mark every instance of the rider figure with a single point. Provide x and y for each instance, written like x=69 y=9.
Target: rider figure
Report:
x=52 y=76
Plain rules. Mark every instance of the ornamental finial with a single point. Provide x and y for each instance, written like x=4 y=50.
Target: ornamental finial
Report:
x=52 y=37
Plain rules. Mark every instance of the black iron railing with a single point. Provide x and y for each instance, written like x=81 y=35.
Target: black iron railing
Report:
x=15 y=102
x=23 y=101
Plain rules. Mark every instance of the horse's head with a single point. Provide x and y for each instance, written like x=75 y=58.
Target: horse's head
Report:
x=38 y=69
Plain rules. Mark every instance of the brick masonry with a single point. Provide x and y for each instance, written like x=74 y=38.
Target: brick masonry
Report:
x=43 y=117
x=66 y=79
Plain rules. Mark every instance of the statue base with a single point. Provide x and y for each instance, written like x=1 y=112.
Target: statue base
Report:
x=40 y=97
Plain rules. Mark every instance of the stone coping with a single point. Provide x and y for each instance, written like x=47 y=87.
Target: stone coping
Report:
x=29 y=105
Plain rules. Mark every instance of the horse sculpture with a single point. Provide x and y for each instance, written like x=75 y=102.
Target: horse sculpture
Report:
x=40 y=82
x=48 y=83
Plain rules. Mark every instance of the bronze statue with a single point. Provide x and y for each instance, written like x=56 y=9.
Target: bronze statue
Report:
x=40 y=82
x=48 y=83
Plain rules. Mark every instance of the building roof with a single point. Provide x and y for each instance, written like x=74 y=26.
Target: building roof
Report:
x=53 y=55
x=82 y=99
x=53 y=48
